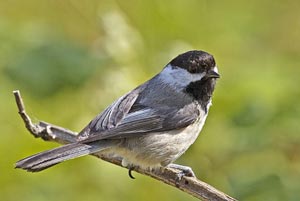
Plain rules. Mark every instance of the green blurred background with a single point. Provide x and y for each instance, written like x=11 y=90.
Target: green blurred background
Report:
x=71 y=59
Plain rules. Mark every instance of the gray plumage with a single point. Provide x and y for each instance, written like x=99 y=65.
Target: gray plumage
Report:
x=150 y=126
x=52 y=157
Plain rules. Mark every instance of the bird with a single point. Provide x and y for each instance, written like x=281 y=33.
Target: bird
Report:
x=152 y=125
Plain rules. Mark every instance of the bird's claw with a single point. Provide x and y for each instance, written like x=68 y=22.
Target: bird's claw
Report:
x=184 y=171
x=130 y=173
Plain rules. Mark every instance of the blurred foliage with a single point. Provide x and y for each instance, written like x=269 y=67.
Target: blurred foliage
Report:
x=51 y=66
x=70 y=59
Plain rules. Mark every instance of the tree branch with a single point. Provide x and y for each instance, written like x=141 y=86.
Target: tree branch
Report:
x=190 y=185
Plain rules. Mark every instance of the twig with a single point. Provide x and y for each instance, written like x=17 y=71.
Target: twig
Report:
x=190 y=185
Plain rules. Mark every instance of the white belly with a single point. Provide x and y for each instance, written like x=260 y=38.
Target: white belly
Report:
x=160 y=149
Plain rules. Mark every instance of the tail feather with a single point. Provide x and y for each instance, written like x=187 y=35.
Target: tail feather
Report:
x=46 y=159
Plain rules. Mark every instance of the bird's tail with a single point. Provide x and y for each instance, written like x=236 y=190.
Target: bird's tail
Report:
x=46 y=159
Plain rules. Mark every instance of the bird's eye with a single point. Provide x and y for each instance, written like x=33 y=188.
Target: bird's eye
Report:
x=193 y=69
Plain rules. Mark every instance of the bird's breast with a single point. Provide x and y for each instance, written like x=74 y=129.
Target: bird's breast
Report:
x=159 y=149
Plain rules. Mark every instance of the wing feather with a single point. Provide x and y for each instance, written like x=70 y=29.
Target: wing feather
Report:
x=128 y=117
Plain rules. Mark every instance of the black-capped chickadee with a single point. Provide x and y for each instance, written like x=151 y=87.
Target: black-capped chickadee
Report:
x=152 y=125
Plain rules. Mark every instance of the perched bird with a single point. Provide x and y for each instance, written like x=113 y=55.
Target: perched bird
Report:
x=152 y=125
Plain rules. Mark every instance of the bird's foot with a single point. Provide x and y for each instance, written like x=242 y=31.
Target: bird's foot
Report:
x=184 y=171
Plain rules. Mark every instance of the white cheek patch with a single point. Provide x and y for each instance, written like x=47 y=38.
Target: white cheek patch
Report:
x=179 y=77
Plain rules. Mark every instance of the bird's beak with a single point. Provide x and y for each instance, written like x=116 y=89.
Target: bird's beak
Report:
x=212 y=74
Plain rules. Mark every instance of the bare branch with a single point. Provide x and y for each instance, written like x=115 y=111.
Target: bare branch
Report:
x=34 y=129
x=190 y=185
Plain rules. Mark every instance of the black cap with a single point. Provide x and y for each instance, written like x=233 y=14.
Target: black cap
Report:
x=194 y=61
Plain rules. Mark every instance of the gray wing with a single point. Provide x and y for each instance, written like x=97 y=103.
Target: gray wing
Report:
x=128 y=117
